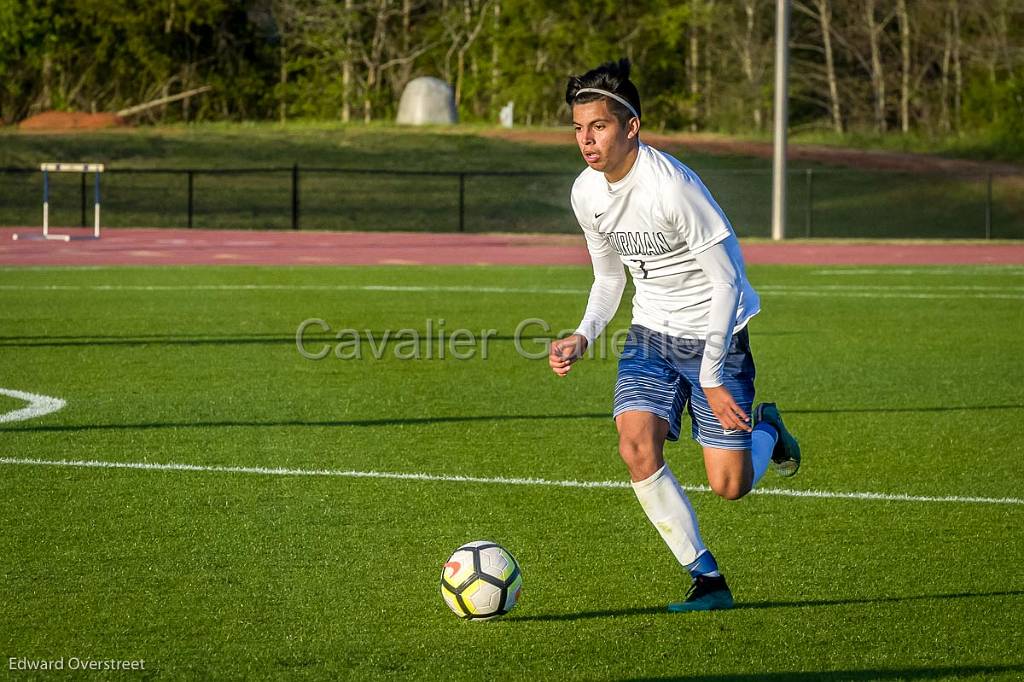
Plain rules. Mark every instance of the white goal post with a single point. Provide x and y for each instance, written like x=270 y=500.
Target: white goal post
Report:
x=48 y=168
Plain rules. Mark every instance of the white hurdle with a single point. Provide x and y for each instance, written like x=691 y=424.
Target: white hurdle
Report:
x=48 y=168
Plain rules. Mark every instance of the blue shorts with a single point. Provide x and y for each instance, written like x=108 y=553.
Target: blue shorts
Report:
x=660 y=374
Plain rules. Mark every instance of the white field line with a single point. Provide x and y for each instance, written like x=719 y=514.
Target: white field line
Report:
x=497 y=480
x=38 y=405
x=902 y=287
x=289 y=287
x=850 y=291
x=854 y=292
x=916 y=270
x=926 y=270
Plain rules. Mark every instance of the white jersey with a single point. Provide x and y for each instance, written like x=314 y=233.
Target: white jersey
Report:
x=656 y=221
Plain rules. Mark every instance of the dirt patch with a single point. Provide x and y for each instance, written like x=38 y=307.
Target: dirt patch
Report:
x=71 y=120
x=853 y=158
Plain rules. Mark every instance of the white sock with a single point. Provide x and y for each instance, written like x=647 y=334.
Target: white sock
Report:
x=669 y=510
x=762 y=442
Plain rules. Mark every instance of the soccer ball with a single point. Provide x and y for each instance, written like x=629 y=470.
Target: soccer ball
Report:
x=480 y=581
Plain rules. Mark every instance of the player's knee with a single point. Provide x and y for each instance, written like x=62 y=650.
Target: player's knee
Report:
x=730 y=487
x=633 y=444
x=640 y=457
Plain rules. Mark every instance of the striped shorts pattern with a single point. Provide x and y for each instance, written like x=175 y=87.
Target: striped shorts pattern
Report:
x=660 y=374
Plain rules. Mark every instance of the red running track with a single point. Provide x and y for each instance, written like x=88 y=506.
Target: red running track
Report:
x=124 y=246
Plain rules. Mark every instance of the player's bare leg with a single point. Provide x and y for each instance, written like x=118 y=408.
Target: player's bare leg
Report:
x=642 y=438
x=730 y=472
x=734 y=473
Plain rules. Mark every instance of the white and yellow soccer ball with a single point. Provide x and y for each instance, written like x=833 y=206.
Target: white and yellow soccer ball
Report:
x=481 y=580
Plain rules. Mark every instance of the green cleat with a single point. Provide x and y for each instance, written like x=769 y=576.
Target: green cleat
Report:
x=786 y=455
x=706 y=594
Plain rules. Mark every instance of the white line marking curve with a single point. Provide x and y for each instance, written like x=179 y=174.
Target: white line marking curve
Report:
x=38 y=406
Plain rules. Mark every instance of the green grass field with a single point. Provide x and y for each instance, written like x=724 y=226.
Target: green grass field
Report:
x=897 y=382
x=843 y=202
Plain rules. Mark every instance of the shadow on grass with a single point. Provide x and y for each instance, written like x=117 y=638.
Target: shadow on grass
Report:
x=809 y=603
x=418 y=421
x=896 y=410
x=412 y=421
x=388 y=337
x=310 y=340
x=933 y=673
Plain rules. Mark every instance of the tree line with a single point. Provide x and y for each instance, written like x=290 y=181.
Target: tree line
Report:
x=933 y=66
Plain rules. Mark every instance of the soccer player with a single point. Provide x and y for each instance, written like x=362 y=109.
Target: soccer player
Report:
x=688 y=344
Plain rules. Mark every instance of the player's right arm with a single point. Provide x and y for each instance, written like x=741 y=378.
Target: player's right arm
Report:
x=564 y=352
x=605 y=295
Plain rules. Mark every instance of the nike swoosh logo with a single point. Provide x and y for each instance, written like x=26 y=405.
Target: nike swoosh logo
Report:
x=598 y=215
x=455 y=566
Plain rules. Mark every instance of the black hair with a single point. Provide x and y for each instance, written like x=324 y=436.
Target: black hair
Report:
x=610 y=76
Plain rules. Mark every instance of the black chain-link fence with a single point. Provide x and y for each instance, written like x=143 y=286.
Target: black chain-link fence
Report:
x=820 y=203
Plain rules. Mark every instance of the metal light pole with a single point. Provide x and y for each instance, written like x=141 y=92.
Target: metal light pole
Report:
x=781 y=119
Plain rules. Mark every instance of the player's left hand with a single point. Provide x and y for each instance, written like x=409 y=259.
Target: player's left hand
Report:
x=730 y=415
